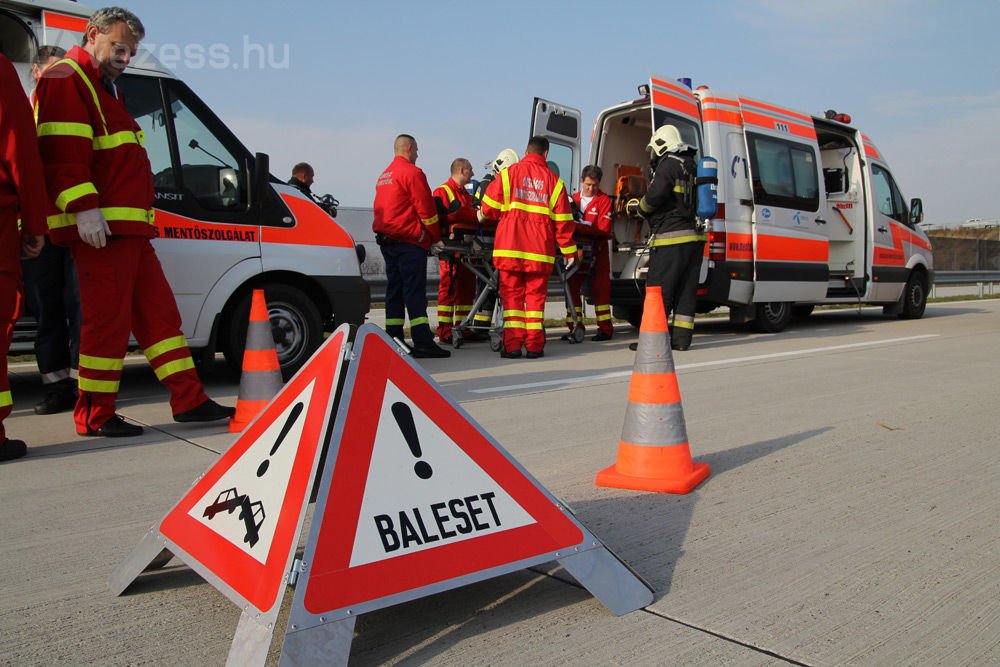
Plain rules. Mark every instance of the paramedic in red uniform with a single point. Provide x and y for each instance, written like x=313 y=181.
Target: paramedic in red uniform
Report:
x=22 y=195
x=534 y=215
x=405 y=226
x=594 y=227
x=457 y=289
x=99 y=178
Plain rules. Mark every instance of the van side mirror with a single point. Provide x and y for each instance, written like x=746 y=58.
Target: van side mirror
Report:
x=916 y=211
x=261 y=180
x=228 y=187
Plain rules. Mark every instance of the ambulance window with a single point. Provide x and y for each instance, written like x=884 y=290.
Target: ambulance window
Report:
x=145 y=103
x=688 y=130
x=561 y=157
x=208 y=169
x=784 y=173
x=16 y=38
x=887 y=196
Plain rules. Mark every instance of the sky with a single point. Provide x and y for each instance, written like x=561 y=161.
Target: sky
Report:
x=333 y=83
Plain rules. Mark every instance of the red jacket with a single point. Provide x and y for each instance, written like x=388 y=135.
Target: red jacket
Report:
x=404 y=208
x=92 y=150
x=451 y=191
x=597 y=218
x=534 y=214
x=22 y=188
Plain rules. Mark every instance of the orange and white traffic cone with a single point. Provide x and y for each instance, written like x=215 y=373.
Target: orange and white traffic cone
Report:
x=653 y=453
x=261 y=379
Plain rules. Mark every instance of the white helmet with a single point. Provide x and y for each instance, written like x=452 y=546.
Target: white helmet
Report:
x=504 y=159
x=667 y=139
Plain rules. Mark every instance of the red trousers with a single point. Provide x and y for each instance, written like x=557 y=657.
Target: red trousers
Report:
x=599 y=275
x=456 y=294
x=123 y=290
x=10 y=302
x=523 y=297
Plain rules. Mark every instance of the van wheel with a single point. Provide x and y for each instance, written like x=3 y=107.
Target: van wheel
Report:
x=914 y=297
x=772 y=316
x=295 y=324
x=802 y=311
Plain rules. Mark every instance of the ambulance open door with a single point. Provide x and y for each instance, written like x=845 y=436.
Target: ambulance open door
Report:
x=561 y=126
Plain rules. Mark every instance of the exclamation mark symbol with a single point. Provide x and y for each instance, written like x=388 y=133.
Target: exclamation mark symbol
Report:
x=404 y=418
x=289 y=422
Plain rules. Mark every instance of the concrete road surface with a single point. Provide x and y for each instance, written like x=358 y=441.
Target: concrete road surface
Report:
x=850 y=517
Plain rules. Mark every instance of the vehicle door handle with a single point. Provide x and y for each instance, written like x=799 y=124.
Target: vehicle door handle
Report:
x=883 y=230
x=820 y=221
x=746 y=202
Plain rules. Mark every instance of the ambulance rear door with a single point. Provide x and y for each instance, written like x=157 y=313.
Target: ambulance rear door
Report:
x=790 y=238
x=205 y=225
x=560 y=124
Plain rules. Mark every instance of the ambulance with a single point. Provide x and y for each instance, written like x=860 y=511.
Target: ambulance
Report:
x=808 y=211
x=224 y=225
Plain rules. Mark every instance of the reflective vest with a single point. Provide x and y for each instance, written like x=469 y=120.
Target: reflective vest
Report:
x=534 y=212
x=404 y=208
x=92 y=151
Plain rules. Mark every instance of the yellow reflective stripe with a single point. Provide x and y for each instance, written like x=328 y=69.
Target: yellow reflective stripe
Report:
x=447 y=191
x=489 y=201
x=430 y=221
x=101 y=363
x=505 y=181
x=531 y=208
x=164 y=346
x=171 y=367
x=72 y=63
x=537 y=314
x=555 y=194
x=513 y=313
x=65 y=130
x=644 y=207
x=129 y=214
x=513 y=324
x=6 y=399
x=483 y=317
x=562 y=217
x=683 y=324
x=677 y=240
x=680 y=188
x=392 y=321
x=446 y=309
x=534 y=326
x=602 y=318
x=119 y=139
x=98 y=386
x=416 y=321
x=61 y=220
x=70 y=195
x=569 y=250
x=516 y=254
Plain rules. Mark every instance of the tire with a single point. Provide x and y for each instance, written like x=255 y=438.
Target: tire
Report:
x=772 y=316
x=914 y=297
x=802 y=311
x=295 y=323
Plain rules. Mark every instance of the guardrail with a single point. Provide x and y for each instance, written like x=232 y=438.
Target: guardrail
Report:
x=979 y=278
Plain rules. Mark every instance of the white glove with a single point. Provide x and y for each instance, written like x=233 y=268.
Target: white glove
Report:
x=93 y=228
x=570 y=261
x=437 y=248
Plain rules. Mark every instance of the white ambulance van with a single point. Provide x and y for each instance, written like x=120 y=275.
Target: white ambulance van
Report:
x=224 y=225
x=808 y=210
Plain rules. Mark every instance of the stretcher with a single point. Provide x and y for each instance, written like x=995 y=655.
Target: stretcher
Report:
x=472 y=245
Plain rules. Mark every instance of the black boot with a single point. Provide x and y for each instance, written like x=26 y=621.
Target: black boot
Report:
x=59 y=397
x=12 y=449
x=209 y=411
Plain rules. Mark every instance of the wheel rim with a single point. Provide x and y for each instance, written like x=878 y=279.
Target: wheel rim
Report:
x=289 y=331
x=917 y=295
x=775 y=310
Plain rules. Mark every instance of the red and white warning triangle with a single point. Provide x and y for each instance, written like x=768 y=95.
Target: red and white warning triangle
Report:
x=415 y=494
x=239 y=524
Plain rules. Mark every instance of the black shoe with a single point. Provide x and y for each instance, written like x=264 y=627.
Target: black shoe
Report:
x=566 y=336
x=116 y=427
x=681 y=347
x=633 y=346
x=600 y=336
x=209 y=411
x=12 y=449
x=60 y=397
x=429 y=351
x=504 y=354
x=534 y=355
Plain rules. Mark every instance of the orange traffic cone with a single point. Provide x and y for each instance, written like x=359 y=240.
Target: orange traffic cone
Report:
x=261 y=380
x=653 y=453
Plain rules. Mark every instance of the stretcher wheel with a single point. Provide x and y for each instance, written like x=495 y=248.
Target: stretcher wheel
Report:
x=578 y=334
x=495 y=341
x=456 y=338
